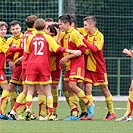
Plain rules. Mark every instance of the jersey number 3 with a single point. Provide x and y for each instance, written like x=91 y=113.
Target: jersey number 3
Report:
x=38 y=47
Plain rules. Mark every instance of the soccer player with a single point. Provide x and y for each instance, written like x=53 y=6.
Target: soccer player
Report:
x=74 y=66
x=53 y=30
x=38 y=71
x=21 y=99
x=12 y=41
x=128 y=113
x=4 y=50
x=95 y=73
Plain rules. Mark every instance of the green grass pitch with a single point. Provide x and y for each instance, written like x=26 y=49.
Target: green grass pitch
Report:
x=95 y=126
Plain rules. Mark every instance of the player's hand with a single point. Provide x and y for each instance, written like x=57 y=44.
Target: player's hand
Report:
x=127 y=52
x=63 y=60
x=76 y=52
x=12 y=66
x=13 y=46
x=19 y=61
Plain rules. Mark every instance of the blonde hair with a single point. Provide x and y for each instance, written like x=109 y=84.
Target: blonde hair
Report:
x=2 y=23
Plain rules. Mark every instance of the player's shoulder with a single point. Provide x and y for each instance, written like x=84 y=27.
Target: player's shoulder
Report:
x=99 y=33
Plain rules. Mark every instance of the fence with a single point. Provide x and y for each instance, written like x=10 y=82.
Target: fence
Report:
x=114 y=20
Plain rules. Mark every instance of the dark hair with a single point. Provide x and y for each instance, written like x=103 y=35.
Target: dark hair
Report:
x=14 y=22
x=39 y=24
x=73 y=20
x=2 y=23
x=65 y=18
x=49 y=20
x=30 y=20
x=53 y=27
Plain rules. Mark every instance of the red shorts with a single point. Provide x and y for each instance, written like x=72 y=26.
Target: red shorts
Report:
x=75 y=75
x=3 y=79
x=37 y=79
x=95 y=78
x=55 y=76
x=16 y=75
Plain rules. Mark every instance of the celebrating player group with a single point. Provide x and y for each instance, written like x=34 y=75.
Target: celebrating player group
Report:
x=39 y=56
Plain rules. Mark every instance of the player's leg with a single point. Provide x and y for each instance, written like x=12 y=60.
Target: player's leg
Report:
x=128 y=113
x=4 y=96
x=88 y=92
x=47 y=92
x=109 y=103
x=20 y=103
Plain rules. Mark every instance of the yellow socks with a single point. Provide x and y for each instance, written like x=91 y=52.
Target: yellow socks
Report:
x=4 y=101
x=55 y=99
x=109 y=104
x=42 y=105
x=50 y=105
x=13 y=96
x=83 y=97
x=129 y=104
x=73 y=105
x=29 y=102
x=66 y=94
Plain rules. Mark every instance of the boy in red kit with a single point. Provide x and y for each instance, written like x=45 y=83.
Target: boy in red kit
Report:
x=21 y=99
x=4 y=50
x=38 y=72
x=74 y=66
x=95 y=73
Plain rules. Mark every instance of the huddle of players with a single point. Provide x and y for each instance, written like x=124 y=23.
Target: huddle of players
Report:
x=80 y=51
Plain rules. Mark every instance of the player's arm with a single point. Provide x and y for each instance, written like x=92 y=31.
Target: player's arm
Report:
x=91 y=47
x=53 y=46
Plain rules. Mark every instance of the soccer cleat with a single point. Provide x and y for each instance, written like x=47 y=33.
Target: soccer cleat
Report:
x=5 y=117
x=21 y=116
x=27 y=115
x=124 y=118
x=51 y=118
x=110 y=116
x=13 y=115
x=90 y=111
x=83 y=114
x=33 y=116
x=43 y=118
x=56 y=117
x=71 y=118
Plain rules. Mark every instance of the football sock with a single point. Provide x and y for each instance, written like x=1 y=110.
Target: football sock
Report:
x=50 y=105
x=19 y=101
x=13 y=96
x=22 y=108
x=83 y=97
x=129 y=104
x=29 y=102
x=109 y=104
x=73 y=105
x=4 y=101
x=66 y=94
x=83 y=107
x=55 y=99
x=42 y=105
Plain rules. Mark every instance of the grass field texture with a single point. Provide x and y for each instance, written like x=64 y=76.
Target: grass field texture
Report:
x=60 y=126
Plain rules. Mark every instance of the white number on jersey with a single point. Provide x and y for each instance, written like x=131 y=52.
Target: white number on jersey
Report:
x=36 y=45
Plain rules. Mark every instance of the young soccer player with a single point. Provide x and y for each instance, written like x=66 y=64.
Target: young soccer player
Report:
x=95 y=73
x=21 y=99
x=128 y=113
x=38 y=70
x=53 y=30
x=12 y=41
x=4 y=50
x=74 y=66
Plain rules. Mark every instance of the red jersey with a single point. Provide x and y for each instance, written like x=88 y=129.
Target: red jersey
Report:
x=23 y=45
x=38 y=47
